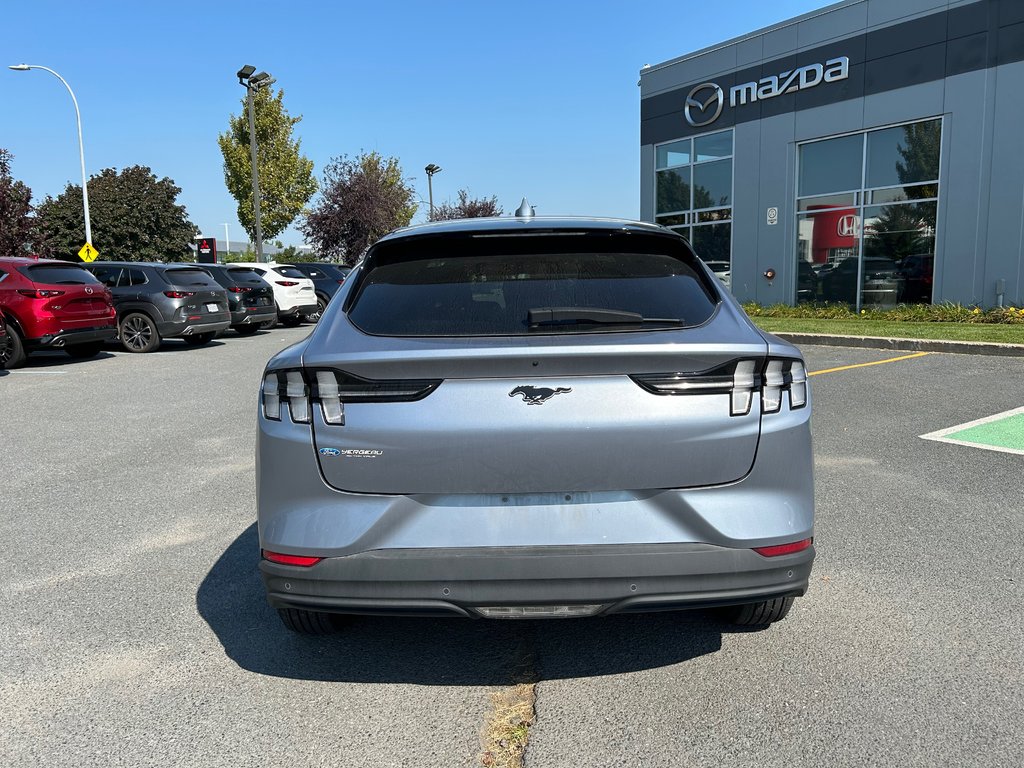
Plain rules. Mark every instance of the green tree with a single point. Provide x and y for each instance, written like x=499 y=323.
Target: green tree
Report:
x=361 y=200
x=17 y=226
x=467 y=208
x=285 y=175
x=135 y=217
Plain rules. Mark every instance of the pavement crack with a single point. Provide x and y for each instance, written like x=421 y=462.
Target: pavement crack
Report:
x=506 y=731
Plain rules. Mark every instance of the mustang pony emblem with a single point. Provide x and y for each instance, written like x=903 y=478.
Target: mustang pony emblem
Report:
x=538 y=395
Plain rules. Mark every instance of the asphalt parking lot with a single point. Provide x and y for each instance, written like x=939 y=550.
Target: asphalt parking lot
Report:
x=135 y=631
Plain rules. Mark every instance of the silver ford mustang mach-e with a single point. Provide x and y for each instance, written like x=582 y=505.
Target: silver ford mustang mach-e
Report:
x=534 y=417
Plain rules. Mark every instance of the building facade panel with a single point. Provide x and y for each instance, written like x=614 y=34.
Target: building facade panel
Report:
x=906 y=116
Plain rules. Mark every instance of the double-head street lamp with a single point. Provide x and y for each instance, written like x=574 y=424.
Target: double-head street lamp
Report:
x=81 y=148
x=252 y=83
x=431 y=170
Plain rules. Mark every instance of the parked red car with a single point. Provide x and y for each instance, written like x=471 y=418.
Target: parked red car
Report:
x=50 y=304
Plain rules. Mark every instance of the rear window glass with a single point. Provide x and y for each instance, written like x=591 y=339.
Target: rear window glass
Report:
x=288 y=272
x=58 y=274
x=190 y=276
x=508 y=294
x=245 y=275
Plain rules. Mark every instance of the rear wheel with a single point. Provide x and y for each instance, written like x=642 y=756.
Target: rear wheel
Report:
x=138 y=333
x=309 y=622
x=248 y=330
x=759 y=614
x=316 y=314
x=199 y=339
x=12 y=351
x=84 y=351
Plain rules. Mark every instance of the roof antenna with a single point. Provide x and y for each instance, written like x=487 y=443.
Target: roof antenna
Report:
x=525 y=210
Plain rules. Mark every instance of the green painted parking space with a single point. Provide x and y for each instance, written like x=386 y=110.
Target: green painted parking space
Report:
x=1002 y=432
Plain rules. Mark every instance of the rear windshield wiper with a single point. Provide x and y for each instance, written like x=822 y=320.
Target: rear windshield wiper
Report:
x=548 y=316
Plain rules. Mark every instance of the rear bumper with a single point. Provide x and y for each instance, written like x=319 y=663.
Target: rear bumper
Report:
x=174 y=329
x=63 y=339
x=298 y=309
x=582 y=580
x=252 y=316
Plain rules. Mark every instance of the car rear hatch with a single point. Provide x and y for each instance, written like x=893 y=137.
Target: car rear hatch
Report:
x=71 y=294
x=251 y=287
x=295 y=284
x=531 y=365
x=207 y=301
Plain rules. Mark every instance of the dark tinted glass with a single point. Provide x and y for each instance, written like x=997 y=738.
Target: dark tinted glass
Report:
x=493 y=294
x=835 y=165
x=244 y=275
x=58 y=274
x=907 y=154
x=288 y=272
x=712 y=242
x=133 y=277
x=712 y=184
x=190 y=277
x=713 y=147
x=107 y=275
x=674 y=190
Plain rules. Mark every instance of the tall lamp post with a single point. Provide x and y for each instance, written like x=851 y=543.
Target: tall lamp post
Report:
x=253 y=83
x=431 y=170
x=81 y=147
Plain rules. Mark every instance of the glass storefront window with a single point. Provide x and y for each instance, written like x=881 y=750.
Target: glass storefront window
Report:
x=907 y=154
x=875 y=245
x=834 y=165
x=711 y=242
x=676 y=153
x=713 y=147
x=712 y=184
x=674 y=190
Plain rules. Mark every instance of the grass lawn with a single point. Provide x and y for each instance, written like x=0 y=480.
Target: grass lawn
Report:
x=1003 y=334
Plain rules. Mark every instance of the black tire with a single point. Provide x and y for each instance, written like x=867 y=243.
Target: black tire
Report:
x=759 y=614
x=291 y=321
x=266 y=325
x=321 y=305
x=84 y=351
x=12 y=353
x=138 y=333
x=199 y=339
x=309 y=622
x=247 y=330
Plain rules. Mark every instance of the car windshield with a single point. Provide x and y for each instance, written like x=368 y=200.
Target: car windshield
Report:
x=58 y=274
x=511 y=293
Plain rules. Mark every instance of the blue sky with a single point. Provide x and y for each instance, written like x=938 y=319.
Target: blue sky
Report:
x=510 y=99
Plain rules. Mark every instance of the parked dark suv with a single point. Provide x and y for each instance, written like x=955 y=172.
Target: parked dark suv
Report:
x=159 y=301
x=327 y=279
x=51 y=304
x=250 y=299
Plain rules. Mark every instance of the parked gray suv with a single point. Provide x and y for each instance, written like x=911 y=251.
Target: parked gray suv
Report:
x=159 y=301
x=528 y=417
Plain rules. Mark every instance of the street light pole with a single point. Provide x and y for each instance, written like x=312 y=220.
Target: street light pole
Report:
x=253 y=83
x=227 y=240
x=81 y=146
x=431 y=170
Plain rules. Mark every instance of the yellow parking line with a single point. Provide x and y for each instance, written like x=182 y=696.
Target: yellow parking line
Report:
x=864 y=365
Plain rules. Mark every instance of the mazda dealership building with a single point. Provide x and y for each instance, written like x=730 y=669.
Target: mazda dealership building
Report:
x=869 y=153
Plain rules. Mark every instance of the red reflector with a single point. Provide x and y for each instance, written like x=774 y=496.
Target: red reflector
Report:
x=301 y=560
x=784 y=549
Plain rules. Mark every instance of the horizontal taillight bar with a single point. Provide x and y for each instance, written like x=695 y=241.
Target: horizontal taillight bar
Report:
x=300 y=560
x=287 y=283
x=178 y=294
x=239 y=288
x=739 y=379
x=302 y=388
x=36 y=293
x=784 y=549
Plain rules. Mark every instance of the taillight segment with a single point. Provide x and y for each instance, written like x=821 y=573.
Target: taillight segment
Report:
x=303 y=389
x=287 y=283
x=178 y=294
x=239 y=288
x=35 y=293
x=739 y=379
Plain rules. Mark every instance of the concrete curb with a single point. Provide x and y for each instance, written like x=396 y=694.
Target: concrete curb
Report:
x=910 y=345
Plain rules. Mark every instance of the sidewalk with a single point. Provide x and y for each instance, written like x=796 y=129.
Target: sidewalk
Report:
x=912 y=345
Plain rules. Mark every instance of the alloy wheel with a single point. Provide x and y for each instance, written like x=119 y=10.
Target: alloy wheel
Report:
x=136 y=333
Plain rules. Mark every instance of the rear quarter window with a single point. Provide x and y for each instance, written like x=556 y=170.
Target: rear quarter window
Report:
x=58 y=274
x=489 y=287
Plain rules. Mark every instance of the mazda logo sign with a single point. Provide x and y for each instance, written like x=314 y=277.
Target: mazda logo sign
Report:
x=703 y=104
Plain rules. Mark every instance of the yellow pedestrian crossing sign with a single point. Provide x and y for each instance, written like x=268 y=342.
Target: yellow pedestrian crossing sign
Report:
x=88 y=253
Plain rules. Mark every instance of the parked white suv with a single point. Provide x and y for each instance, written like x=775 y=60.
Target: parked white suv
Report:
x=294 y=294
